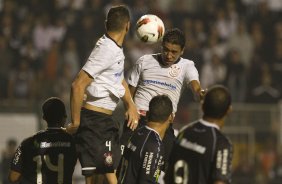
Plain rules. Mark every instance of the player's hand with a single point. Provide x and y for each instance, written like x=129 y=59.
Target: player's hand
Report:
x=202 y=94
x=132 y=116
x=71 y=128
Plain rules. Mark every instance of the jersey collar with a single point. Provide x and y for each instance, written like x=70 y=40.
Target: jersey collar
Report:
x=107 y=36
x=154 y=131
x=159 y=59
x=206 y=123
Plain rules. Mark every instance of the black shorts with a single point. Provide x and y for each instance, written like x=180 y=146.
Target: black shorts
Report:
x=168 y=140
x=97 y=141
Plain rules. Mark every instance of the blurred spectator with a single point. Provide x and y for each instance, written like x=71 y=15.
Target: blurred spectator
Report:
x=244 y=173
x=223 y=25
x=213 y=72
x=21 y=82
x=268 y=157
x=6 y=63
x=43 y=33
x=276 y=64
x=236 y=76
x=265 y=92
x=6 y=158
x=243 y=43
x=70 y=55
x=276 y=171
x=214 y=45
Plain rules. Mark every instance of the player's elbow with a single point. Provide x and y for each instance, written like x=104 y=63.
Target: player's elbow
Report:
x=14 y=176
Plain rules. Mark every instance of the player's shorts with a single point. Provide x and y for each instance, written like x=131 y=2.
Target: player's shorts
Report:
x=168 y=140
x=97 y=141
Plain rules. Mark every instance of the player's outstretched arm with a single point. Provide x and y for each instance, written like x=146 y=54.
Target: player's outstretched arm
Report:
x=78 y=87
x=198 y=92
x=131 y=114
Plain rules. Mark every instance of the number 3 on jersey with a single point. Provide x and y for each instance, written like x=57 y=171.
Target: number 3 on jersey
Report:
x=59 y=168
x=181 y=172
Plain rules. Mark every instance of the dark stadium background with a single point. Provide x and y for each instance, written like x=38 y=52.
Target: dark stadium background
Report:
x=238 y=43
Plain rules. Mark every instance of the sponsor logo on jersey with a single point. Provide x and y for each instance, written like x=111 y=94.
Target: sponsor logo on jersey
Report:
x=222 y=161
x=148 y=162
x=17 y=155
x=174 y=71
x=54 y=144
x=108 y=159
x=131 y=146
x=160 y=83
x=192 y=146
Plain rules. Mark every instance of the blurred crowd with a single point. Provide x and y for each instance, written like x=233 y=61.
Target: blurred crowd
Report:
x=238 y=43
x=44 y=43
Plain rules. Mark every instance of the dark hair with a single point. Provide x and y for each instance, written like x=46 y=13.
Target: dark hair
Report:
x=216 y=102
x=117 y=17
x=54 y=110
x=160 y=108
x=174 y=36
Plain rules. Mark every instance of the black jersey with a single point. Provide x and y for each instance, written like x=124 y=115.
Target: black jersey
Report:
x=143 y=158
x=202 y=155
x=47 y=157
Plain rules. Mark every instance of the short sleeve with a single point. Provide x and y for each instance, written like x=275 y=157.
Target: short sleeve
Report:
x=99 y=60
x=134 y=74
x=151 y=163
x=191 y=72
x=223 y=160
x=17 y=161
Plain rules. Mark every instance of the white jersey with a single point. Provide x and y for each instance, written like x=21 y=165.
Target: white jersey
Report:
x=106 y=65
x=152 y=78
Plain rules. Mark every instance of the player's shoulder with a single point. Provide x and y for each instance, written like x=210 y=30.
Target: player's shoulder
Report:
x=147 y=59
x=106 y=43
x=222 y=139
x=189 y=126
x=185 y=61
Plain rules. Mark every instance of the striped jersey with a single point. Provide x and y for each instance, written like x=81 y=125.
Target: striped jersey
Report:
x=106 y=65
x=143 y=158
x=202 y=154
x=152 y=78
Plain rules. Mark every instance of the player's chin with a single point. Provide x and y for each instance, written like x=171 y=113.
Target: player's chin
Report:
x=168 y=64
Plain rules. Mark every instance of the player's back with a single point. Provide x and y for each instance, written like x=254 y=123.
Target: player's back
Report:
x=199 y=155
x=47 y=157
x=143 y=158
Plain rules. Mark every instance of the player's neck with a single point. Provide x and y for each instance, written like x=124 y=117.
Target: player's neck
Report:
x=219 y=122
x=158 y=127
x=118 y=37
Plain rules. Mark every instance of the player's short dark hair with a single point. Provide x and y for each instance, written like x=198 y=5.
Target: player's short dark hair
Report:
x=160 y=108
x=174 y=36
x=53 y=110
x=117 y=17
x=216 y=102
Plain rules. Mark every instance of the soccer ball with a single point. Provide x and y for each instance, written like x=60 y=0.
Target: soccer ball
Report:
x=150 y=28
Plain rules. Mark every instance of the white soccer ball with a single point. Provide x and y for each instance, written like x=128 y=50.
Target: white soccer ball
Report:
x=150 y=28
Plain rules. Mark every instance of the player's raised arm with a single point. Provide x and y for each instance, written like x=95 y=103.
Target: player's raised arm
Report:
x=197 y=90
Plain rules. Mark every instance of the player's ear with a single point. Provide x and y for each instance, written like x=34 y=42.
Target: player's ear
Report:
x=127 y=26
x=171 y=117
x=182 y=51
x=230 y=109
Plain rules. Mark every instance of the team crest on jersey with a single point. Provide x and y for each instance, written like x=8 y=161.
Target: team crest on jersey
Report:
x=108 y=159
x=174 y=71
